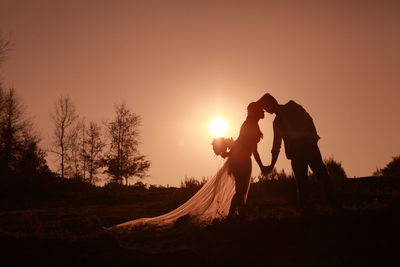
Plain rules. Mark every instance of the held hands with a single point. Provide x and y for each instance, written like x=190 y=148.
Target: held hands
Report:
x=265 y=170
x=225 y=154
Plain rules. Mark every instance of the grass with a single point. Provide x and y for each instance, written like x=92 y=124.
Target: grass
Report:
x=68 y=231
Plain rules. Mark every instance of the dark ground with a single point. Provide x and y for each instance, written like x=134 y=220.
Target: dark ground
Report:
x=68 y=232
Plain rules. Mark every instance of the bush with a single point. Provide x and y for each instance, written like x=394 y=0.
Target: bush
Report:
x=391 y=169
x=193 y=183
x=275 y=175
x=335 y=169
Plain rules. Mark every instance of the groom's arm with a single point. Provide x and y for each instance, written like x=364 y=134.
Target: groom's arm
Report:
x=274 y=159
x=276 y=145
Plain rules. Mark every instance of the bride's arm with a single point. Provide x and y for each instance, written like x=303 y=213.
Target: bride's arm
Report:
x=257 y=157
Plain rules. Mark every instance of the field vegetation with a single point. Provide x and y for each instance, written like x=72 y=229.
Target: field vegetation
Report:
x=59 y=221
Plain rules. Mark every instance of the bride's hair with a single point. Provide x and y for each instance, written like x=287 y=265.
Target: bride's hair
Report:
x=222 y=146
x=254 y=108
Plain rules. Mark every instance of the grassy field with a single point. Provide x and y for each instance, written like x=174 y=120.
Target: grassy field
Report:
x=67 y=231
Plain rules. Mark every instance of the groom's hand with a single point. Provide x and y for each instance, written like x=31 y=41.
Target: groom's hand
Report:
x=267 y=170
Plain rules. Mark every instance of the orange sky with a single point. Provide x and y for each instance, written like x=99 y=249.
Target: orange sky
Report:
x=180 y=63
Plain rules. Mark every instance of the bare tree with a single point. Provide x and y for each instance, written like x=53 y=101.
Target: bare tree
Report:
x=19 y=144
x=12 y=126
x=92 y=150
x=123 y=159
x=74 y=166
x=76 y=157
x=83 y=148
x=2 y=103
x=5 y=46
x=64 y=117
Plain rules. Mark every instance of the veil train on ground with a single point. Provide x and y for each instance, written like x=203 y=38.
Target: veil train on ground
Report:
x=168 y=231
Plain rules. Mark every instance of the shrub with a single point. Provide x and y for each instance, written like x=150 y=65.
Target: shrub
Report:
x=191 y=182
x=391 y=169
x=335 y=169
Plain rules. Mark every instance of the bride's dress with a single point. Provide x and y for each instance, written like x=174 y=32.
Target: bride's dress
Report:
x=161 y=233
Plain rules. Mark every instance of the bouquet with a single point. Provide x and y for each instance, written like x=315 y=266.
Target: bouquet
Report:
x=222 y=146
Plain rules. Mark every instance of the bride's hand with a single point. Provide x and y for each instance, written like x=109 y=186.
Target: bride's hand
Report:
x=225 y=154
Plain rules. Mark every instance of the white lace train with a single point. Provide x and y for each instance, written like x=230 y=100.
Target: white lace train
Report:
x=211 y=202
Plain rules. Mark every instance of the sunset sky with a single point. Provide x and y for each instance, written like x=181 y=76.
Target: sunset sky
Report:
x=179 y=64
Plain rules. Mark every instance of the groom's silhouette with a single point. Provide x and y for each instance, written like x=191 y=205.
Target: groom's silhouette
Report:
x=295 y=126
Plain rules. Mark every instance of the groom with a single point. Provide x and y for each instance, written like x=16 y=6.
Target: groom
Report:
x=295 y=127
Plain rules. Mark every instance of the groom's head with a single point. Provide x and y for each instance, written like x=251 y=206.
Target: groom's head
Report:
x=268 y=103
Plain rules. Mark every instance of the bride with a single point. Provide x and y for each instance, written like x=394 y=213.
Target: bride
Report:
x=222 y=196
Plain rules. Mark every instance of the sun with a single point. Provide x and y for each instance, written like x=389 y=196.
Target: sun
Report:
x=218 y=126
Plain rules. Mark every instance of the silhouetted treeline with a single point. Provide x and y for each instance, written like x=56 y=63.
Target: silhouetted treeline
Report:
x=84 y=149
x=22 y=162
x=87 y=150
x=25 y=178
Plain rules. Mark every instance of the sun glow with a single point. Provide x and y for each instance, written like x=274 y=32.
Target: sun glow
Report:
x=218 y=126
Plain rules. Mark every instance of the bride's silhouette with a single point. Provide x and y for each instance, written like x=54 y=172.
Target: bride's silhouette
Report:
x=224 y=194
x=239 y=160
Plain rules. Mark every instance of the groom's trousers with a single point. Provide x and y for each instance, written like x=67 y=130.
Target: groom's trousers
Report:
x=308 y=154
